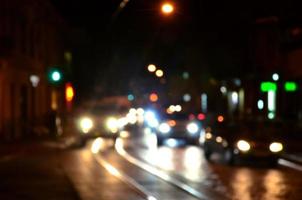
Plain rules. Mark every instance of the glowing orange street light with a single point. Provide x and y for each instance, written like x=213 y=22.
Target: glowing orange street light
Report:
x=220 y=118
x=151 y=68
x=153 y=97
x=167 y=8
x=159 y=73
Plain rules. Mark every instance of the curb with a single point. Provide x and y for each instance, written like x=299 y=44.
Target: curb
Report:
x=293 y=158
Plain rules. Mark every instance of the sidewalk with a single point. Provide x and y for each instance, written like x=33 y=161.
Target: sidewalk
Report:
x=31 y=170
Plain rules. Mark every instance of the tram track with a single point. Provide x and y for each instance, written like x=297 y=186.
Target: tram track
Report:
x=144 y=179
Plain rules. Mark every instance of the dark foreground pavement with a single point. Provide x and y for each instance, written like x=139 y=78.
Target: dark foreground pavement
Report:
x=31 y=170
x=52 y=170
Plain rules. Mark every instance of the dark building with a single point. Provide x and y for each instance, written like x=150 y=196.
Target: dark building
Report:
x=30 y=42
x=275 y=48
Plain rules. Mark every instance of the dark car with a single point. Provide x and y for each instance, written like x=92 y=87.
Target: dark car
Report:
x=251 y=139
x=178 y=126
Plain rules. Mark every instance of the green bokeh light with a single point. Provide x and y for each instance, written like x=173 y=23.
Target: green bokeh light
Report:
x=268 y=86
x=290 y=86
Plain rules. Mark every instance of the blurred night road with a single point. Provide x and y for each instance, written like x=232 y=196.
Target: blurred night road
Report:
x=137 y=169
x=99 y=98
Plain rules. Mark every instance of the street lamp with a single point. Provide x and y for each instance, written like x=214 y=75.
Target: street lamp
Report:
x=159 y=73
x=167 y=8
x=151 y=68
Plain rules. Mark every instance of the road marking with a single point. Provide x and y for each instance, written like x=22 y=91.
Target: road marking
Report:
x=123 y=177
x=289 y=164
x=158 y=173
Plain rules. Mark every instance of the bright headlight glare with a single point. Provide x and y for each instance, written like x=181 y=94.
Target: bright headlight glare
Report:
x=112 y=124
x=208 y=136
x=151 y=119
x=276 y=147
x=192 y=128
x=243 y=145
x=164 y=128
x=86 y=124
x=122 y=122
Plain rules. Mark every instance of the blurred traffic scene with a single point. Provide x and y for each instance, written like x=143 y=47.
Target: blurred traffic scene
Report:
x=158 y=100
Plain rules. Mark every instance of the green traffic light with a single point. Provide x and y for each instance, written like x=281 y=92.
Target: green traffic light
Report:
x=56 y=76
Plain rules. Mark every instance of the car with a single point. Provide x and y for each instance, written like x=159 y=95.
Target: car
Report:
x=178 y=126
x=244 y=139
x=98 y=120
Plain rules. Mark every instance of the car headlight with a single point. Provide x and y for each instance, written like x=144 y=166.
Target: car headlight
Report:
x=208 y=136
x=192 y=128
x=164 y=128
x=112 y=124
x=151 y=119
x=276 y=147
x=86 y=124
x=243 y=145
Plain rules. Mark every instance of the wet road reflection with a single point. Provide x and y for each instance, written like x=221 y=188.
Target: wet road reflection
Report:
x=234 y=182
x=241 y=184
x=188 y=165
x=274 y=185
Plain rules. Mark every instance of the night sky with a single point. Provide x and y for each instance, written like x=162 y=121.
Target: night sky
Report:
x=113 y=46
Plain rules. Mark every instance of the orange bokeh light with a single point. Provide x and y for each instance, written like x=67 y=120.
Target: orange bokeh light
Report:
x=69 y=92
x=172 y=123
x=153 y=97
x=220 y=118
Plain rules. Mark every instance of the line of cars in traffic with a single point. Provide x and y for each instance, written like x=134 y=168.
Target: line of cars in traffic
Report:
x=233 y=139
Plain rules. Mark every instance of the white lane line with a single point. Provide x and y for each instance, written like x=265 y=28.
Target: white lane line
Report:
x=156 y=172
x=289 y=164
x=123 y=177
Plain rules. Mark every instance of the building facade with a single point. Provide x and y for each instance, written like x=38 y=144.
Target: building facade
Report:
x=30 y=42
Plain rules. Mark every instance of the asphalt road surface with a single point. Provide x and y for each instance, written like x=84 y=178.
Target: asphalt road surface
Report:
x=181 y=172
x=134 y=168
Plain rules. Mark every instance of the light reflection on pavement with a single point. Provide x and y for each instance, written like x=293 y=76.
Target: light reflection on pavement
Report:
x=274 y=184
x=188 y=165
x=235 y=182
x=241 y=184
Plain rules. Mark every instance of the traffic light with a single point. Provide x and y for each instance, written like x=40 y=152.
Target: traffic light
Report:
x=55 y=75
x=69 y=92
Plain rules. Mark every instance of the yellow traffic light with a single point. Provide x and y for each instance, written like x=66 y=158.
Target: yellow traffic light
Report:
x=69 y=92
